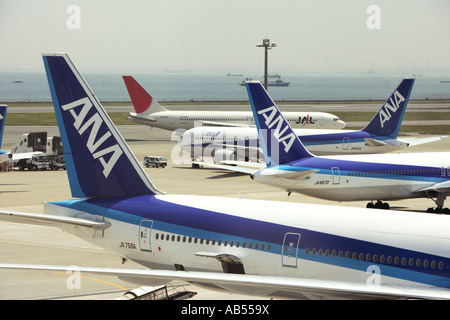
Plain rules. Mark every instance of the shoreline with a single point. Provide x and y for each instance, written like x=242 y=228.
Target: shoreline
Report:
x=237 y=102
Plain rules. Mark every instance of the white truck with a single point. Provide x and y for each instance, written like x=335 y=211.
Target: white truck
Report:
x=44 y=153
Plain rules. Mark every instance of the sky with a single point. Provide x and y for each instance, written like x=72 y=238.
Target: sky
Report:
x=211 y=36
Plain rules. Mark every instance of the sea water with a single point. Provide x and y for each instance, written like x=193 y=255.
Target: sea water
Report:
x=168 y=87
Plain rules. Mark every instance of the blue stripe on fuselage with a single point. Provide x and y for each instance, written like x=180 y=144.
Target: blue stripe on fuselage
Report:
x=367 y=169
x=307 y=140
x=199 y=223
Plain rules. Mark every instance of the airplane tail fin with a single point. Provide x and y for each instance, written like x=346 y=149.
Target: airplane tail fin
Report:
x=98 y=160
x=279 y=142
x=389 y=118
x=2 y=121
x=142 y=101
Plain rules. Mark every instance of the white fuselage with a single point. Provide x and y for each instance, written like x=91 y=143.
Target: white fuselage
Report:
x=358 y=177
x=300 y=241
x=173 y=120
x=317 y=141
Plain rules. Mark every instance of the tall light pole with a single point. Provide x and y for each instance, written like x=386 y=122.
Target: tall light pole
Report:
x=267 y=46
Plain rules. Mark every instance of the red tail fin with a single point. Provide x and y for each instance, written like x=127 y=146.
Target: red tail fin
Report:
x=141 y=99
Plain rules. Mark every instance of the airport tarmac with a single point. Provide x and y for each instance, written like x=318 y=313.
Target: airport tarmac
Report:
x=26 y=191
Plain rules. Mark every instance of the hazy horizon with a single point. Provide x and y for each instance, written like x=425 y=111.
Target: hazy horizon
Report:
x=203 y=36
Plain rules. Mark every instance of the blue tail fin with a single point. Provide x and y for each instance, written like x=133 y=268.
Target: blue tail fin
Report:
x=2 y=121
x=279 y=142
x=389 y=118
x=99 y=162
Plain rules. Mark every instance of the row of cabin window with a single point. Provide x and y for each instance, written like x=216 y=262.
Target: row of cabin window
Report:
x=374 y=258
x=197 y=119
x=397 y=172
x=236 y=244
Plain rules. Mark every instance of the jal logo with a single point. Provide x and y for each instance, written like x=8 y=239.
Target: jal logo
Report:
x=305 y=120
x=274 y=119
x=390 y=107
x=95 y=143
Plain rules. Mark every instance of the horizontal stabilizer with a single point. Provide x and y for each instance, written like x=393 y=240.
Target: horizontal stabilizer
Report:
x=374 y=142
x=50 y=220
x=417 y=141
x=288 y=174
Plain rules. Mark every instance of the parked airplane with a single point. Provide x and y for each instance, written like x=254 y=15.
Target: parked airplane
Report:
x=309 y=251
x=6 y=155
x=3 y=154
x=342 y=178
x=379 y=136
x=151 y=113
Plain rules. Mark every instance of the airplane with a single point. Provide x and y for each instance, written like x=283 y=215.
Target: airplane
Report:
x=6 y=155
x=3 y=154
x=379 y=136
x=380 y=177
x=308 y=251
x=150 y=112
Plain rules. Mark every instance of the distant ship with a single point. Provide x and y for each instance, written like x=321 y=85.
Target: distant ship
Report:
x=276 y=83
x=444 y=81
x=18 y=81
x=234 y=75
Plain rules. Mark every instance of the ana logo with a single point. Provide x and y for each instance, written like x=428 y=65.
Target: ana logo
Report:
x=94 y=143
x=274 y=118
x=385 y=114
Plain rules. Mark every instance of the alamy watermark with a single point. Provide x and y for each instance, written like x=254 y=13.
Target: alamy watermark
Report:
x=373 y=22
x=73 y=21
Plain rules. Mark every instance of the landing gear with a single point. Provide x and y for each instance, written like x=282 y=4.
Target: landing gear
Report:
x=438 y=210
x=378 y=205
x=440 y=198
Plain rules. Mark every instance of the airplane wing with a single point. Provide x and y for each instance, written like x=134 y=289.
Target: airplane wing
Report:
x=417 y=141
x=50 y=220
x=222 y=124
x=228 y=167
x=443 y=187
x=249 y=283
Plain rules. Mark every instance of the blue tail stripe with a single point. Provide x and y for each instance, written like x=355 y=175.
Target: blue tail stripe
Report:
x=68 y=159
x=279 y=142
x=99 y=163
x=389 y=118
x=2 y=122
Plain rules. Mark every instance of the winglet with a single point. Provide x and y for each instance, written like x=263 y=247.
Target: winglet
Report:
x=98 y=160
x=2 y=121
x=142 y=101
x=279 y=142
x=389 y=118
